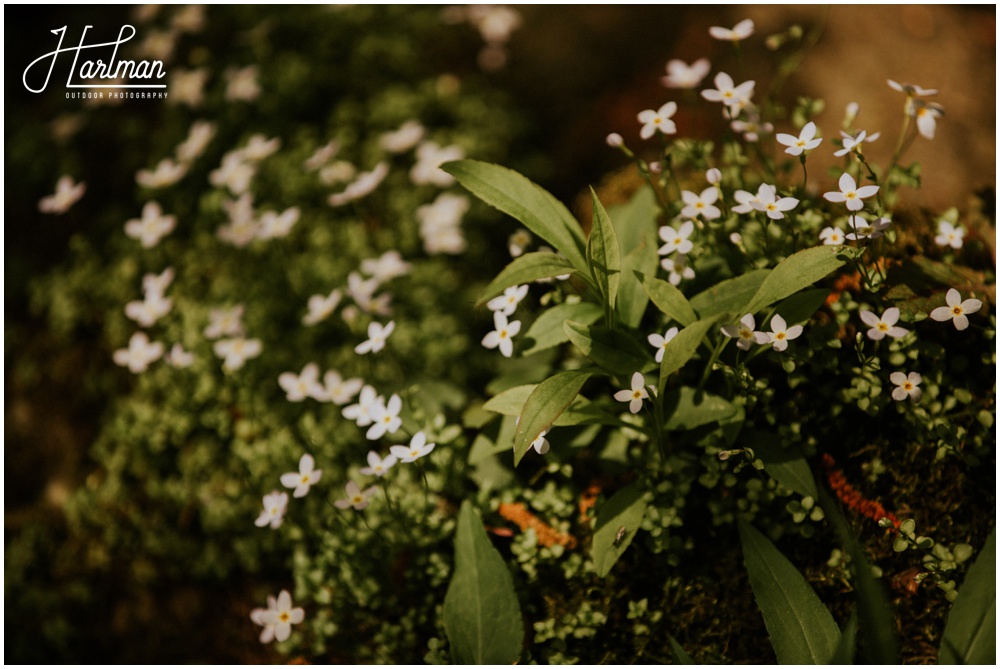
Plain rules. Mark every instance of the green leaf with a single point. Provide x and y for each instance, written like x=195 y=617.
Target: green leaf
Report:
x=730 y=296
x=525 y=269
x=632 y=298
x=532 y=205
x=797 y=271
x=635 y=224
x=786 y=465
x=970 y=633
x=682 y=347
x=844 y=654
x=625 y=510
x=800 y=307
x=636 y=219
x=802 y=630
x=482 y=617
x=680 y=656
x=687 y=409
x=580 y=411
x=544 y=405
x=548 y=331
x=612 y=349
x=668 y=299
x=604 y=255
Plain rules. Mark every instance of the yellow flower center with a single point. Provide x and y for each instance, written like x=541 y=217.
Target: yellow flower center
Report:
x=284 y=617
x=883 y=327
x=957 y=310
x=636 y=394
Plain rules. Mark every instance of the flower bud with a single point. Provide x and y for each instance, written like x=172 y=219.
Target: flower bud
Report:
x=714 y=176
x=615 y=140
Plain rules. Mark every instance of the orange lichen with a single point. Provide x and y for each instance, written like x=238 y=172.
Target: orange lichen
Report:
x=518 y=514
x=853 y=499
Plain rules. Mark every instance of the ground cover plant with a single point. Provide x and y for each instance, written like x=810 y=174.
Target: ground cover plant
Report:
x=361 y=374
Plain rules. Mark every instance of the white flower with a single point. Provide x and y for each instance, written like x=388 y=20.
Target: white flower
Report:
x=677 y=269
x=385 y=418
x=501 y=336
x=67 y=193
x=275 y=504
x=957 y=309
x=200 y=134
x=767 y=201
x=321 y=306
x=361 y=413
x=417 y=449
x=659 y=342
x=152 y=227
x=862 y=229
x=701 y=205
x=322 y=156
x=749 y=201
x=259 y=147
x=272 y=225
x=658 y=120
x=377 y=335
x=242 y=84
x=339 y=390
x=386 y=267
x=949 y=235
x=635 y=395
x=541 y=444
x=235 y=173
x=235 y=352
x=518 y=242
x=780 y=333
x=225 y=322
x=146 y=312
x=832 y=236
x=806 y=141
x=676 y=240
x=745 y=333
x=752 y=127
x=178 y=357
x=304 y=478
x=886 y=325
x=728 y=93
x=355 y=496
x=614 y=140
x=187 y=87
x=907 y=385
x=166 y=173
x=682 y=75
x=157 y=284
x=338 y=172
x=740 y=31
x=378 y=466
x=259 y=615
x=305 y=384
x=427 y=169
x=362 y=291
x=911 y=90
x=439 y=223
x=507 y=303
x=188 y=19
x=282 y=617
x=405 y=138
x=714 y=176
x=139 y=354
x=927 y=114
x=850 y=194
x=364 y=184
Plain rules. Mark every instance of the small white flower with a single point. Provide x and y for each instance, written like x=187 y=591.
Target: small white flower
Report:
x=507 y=303
x=362 y=291
x=957 y=309
x=911 y=90
x=949 y=235
x=745 y=333
x=322 y=156
x=377 y=336
x=635 y=395
x=714 y=176
x=178 y=357
x=200 y=134
x=430 y=156
x=405 y=138
x=862 y=229
x=258 y=616
x=541 y=444
x=152 y=227
x=146 y=312
x=242 y=84
x=235 y=173
x=907 y=385
x=659 y=342
x=305 y=384
x=365 y=183
x=225 y=322
x=417 y=449
x=751 y=127
x=338 y=172
x=386 y=267
x=740 y=31
x=272 y=225
x=235 y=352
x=306 y=476
x=676 y=240
x=385 y=418
x=850 y=194
x=677 y=269
x=780 y=333
x=768 y=202
x=728 y=93
x=501 y=336
x=659 y=120
x=378 y=466
x=273 y=514
x=701 y=205
x=806 y=141
x=157 y=284
x=440 y=223
x=832 y=236
x=879 y=328
x=259 y=147
x=518 y=242
x=614 y=140
x=749 y=201
x=361 y=413
x=321 y=306
x=355 y=496
x=283 y=616
x=166 y=173
x=682 y=75
x=139 y=354
x=187 y=87
x=927 y=114
x=338 y=390
x=851 y=143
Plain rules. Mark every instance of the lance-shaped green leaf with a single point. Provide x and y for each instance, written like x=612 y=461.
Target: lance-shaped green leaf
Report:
x=797 y=271
x=685 y=409
x=632 y=298
x=668 y=299
x=580 y=411
x=730 y=296
x=482 y=617
x=529 y=203
x=604 y=255
x=970 y=633
x=526 y=269
x=844 y=654
x=544 y=405
x=786 y=465
x=612 y=349
x=682 y=347
x=548 y=329
x=801 y=628
x=617 y=522
x=680 y=655
x=801 y=306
